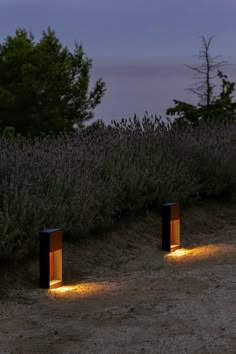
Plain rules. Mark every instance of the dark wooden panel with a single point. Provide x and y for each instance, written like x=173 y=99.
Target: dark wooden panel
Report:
x=175 y=211
x=55 y=241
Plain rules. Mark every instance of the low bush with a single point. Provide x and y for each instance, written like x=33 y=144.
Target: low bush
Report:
x=85 y=181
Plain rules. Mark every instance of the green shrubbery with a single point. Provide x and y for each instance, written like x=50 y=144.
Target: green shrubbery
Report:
x=44 y=87
x=82 y=182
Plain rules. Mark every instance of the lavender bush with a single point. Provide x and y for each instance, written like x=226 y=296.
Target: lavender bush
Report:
x=82 y=182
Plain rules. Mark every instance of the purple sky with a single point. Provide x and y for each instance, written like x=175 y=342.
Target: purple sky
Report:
x=127 y=27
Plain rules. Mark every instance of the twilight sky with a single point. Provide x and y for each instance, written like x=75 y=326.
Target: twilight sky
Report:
x=127 y=27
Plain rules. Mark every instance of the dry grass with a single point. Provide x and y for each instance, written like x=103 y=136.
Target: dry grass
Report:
x=86 y=182
x=122 y=294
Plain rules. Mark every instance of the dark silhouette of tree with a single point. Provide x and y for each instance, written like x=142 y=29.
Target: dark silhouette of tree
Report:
x=205 y=73
x=209 y=107
x=44 y=88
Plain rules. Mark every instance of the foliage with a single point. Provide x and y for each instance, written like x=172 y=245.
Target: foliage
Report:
x=95 y=126
x=44 y=88
x=83 y=182
x=8 y=132
x=209 y=107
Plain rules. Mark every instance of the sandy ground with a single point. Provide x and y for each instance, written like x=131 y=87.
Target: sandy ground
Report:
x=123 y=294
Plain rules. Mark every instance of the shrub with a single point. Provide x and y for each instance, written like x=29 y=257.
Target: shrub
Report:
x=84 y=181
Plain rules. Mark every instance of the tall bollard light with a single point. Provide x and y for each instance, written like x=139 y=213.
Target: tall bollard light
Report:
x=50 y=258
x=170 y=227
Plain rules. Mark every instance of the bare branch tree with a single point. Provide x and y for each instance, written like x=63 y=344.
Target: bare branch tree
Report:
x=221 y=107
x=205 y=73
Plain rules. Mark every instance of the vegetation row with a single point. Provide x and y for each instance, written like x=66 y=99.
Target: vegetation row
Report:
x=55 y=172
x=84 y=181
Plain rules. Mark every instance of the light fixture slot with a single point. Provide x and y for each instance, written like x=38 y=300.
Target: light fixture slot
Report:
x=170 y=227
x=50 y=258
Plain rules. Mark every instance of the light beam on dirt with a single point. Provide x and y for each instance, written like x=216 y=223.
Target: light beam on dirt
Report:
x=200 y=252
x=87 y=289
x=179 y=253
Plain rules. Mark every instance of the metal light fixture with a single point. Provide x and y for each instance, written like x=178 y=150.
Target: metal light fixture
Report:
x=170 y=227
x=50 y=258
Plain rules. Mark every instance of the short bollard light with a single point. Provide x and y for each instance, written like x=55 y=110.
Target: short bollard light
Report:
x=170 y=227
x=50 y=258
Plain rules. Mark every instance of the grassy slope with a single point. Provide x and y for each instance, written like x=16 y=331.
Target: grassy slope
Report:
x=107 y=251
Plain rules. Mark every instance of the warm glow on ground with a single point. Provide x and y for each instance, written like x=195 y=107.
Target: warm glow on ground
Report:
x=179 y=252
x=83 y=289
x=200 y=252
x=181 y=255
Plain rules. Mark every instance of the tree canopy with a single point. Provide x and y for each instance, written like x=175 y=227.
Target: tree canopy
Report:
x=44 y=87
x=210 y=107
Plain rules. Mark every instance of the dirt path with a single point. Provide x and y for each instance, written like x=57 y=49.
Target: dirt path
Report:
x=125 y=295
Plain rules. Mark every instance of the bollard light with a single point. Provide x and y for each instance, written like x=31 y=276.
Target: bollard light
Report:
x=170 y=227
x=50 y=258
